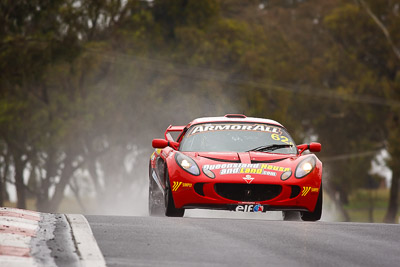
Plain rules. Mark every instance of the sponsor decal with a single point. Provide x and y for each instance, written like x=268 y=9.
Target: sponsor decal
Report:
x=230 y=165
x=245 y=166
x=258 y=168
x=250 y=208
x=307 y=189
x=235 y=127
x=258 y=207
x=248 y=179
x=177 y=185
x=247 y=170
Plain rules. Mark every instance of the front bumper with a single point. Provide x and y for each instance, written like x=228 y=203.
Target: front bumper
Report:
x=230 y=192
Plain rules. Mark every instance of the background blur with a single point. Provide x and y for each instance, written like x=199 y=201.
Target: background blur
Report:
x=85 y=85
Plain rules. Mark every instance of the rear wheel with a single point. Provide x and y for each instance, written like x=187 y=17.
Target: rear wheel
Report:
x=170 y=209
x=316 y=214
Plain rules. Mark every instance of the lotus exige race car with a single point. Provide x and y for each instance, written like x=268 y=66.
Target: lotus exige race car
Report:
x=234 y=163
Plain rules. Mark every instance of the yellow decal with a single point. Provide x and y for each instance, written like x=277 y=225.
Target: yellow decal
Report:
x=307 y=189
x=315 y=190
x=155 y=153
x=282 y=138
x=176 y=185
x=274 y=168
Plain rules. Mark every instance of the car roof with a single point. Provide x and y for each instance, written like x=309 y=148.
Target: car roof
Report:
x=233 y=118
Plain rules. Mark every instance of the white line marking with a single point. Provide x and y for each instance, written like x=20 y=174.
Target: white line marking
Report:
x=14 y=240
x=88 y=250
x=18 y=223
x=18 y=220
x=13 y=261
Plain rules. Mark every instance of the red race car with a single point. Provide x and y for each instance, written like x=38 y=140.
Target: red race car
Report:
x=234 y=163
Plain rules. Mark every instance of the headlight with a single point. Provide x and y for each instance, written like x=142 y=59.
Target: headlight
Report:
x=305 y=167
x=209 y=173
x=187 y=164
x=286 y=175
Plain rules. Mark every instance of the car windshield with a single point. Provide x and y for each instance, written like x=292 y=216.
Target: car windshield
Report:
x=238 y=137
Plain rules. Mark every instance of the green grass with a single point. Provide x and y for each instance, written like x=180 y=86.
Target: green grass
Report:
x=361 y=201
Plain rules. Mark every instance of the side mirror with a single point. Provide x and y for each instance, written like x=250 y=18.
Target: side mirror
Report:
x=162 y=143
x=313 y=147
x=159 y=143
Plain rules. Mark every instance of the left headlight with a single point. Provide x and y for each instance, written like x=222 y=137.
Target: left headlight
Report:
x=187 y=164
x=305 y=167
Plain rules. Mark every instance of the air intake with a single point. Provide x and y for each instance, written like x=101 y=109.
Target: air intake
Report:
x=248 y=192
x=295 y=191
x=235 y=116
x=199 y=189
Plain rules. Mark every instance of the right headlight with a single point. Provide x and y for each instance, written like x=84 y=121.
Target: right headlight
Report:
x=305 y=167
x=187 y=164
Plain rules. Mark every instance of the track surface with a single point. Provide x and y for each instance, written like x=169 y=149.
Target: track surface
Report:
x=160 y=241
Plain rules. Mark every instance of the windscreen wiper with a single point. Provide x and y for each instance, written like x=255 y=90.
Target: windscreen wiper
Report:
x=270 y=147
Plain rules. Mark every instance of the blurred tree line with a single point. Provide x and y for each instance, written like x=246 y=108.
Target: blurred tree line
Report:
x=85 y=85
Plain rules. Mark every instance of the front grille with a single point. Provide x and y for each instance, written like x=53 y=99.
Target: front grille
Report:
x=248 y=192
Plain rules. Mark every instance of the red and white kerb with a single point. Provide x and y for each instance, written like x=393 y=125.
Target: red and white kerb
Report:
x=17 y=228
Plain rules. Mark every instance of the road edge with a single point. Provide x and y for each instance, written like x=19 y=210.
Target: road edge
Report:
x=85 y=242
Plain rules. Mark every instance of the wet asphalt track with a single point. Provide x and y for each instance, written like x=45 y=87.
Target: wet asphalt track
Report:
x=160 y=241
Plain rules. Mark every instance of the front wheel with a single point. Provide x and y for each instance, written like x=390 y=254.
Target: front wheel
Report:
x=170 y=209
x=316 y=214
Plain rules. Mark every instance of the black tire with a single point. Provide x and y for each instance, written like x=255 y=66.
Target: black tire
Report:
x=290 y=215
x=155 y=199
x=316 y=214
x=170 y=210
